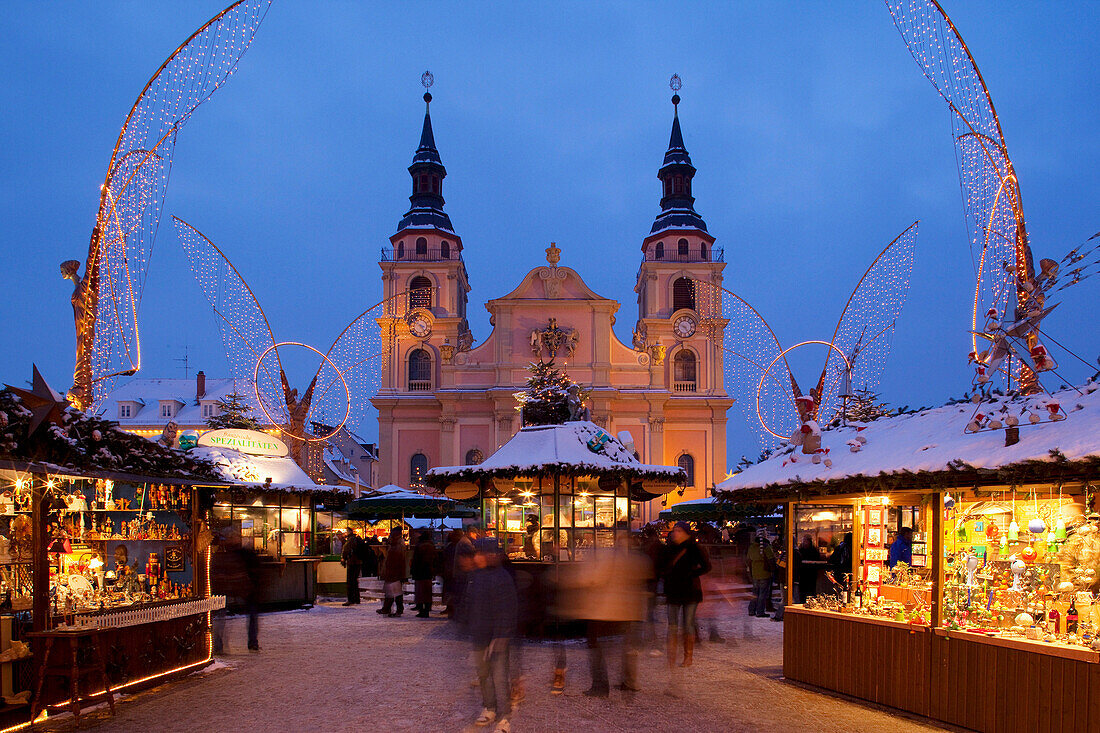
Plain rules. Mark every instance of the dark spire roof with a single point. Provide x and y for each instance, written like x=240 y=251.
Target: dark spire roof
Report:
x=675 y=174
x=427 y=173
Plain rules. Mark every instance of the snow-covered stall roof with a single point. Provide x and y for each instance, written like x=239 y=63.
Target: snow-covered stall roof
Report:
x=935 y=441
x=243 y=468
x=540 y=449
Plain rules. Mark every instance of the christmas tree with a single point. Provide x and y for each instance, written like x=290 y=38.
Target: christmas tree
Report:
x=551 y=397
x=865 y=406
x=233 y=412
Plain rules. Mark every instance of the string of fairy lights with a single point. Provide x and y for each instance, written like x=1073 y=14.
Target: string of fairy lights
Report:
x=756 y=371
x=347 y=374
x=132 y=194
x=990 y=190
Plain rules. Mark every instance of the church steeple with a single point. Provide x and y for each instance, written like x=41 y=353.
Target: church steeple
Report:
x=675 y=174
x=427 y=173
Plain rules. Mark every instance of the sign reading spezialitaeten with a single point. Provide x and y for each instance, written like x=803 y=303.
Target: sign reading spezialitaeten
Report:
x=252 y=442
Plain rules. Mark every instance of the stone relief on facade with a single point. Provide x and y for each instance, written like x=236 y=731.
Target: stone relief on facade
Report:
x=640 y=334
x=552 y=339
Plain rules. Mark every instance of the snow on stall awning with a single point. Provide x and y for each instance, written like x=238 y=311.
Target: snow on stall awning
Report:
x=562 y=449
x=254 y=471
x=934 y=445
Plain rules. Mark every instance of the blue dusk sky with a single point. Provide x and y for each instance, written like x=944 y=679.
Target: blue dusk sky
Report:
x=817 y=140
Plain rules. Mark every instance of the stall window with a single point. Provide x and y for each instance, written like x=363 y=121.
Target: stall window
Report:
x=418 y=466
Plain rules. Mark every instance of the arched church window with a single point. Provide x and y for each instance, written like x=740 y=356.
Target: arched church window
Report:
x=418 y=466
x=677 y=184
x=401 y=249
x=683 y=371
x=682 y=248
x=659 y=251
x=687 y=463
x=445 y=249
x=474 y=457
x=420 y=371
x=703 y=251
x=683 y=294
x=421 y=246
x=420 y=292
x=668 y=187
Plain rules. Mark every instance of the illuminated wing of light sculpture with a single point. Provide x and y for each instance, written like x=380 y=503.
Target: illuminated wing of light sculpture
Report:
x=750 y=347
x=866 y=324
x=1006 y=288
x=246 y=333
x=106 y=299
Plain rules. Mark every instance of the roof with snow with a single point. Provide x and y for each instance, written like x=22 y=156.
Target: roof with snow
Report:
x=250 y=470
x=144 y=396
x=935 y=445
x=565 y=449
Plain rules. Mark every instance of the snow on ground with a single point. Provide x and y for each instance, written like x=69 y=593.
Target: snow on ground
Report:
x=349 y=669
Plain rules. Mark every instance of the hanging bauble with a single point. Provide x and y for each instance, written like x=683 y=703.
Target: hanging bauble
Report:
x=1036 y=526
x=992 y=531
x=1060 y=529
x=960 y=531
x=1027 y=554
x=1013 y=531
x=1004 y=542
x=948 y=501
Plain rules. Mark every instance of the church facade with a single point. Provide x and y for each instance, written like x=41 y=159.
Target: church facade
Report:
x=445 y=401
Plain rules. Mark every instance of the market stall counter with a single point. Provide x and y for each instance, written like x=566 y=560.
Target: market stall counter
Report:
x=964 y=585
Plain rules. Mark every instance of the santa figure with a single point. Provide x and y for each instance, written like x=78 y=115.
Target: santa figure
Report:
x=1041 y=358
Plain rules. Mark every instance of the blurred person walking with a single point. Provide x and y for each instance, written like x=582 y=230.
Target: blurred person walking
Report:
x=449 y=571
x=422 y=570
x=683 y=564
x=489 y=615
x=238 y=569
x=393 y=575
x=351 y=558
x=761 y=569
x=611 y=596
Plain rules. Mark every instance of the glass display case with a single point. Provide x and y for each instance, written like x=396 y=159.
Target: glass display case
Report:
x=275 y=524
x=557 y=518
x=1022 y=565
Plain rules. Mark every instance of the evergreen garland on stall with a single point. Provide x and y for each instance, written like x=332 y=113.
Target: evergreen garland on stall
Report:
x=86 y=442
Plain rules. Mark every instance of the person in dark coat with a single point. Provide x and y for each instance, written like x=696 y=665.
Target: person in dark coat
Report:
x=350 y=558
x=393 y=575
x=488 y=614
x=806 y=575
x=422 y=570
x=449 y=570
x=683 y=563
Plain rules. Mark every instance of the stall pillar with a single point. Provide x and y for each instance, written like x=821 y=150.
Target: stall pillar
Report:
x=936 y=549
x=40 y=583
x=857 y=546
x=788 y=593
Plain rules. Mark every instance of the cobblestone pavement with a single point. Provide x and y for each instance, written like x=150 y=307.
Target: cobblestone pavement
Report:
x=349 y=669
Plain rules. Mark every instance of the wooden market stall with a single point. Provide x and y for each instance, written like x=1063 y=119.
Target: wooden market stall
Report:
x=558 y=492
x=104 y=557
x=988 y=617
x=273 y=509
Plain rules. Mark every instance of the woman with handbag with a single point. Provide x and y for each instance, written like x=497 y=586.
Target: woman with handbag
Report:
x=393 y=575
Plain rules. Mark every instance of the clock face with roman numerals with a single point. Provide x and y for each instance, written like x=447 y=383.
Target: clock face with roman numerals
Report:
x=684 y=326
x=420 y=325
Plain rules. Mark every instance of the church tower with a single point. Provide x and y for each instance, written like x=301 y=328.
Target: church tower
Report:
x=683 y=340
x=425 y=284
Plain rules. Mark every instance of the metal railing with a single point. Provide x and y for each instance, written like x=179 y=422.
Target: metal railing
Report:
x=671 y=254
x=683 y=386
x=410 y=254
